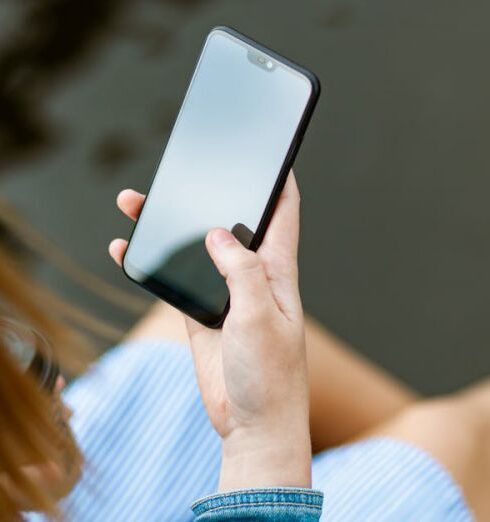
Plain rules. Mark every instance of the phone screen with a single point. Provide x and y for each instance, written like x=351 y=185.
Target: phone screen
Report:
x=229 y=143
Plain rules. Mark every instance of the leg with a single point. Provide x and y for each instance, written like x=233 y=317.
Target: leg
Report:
x=161 y=321
x=456 y=431
x=348 y=393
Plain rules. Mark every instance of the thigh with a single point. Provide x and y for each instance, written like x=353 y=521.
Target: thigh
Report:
x=437 y=447
x=162 y=321
x=453 y=431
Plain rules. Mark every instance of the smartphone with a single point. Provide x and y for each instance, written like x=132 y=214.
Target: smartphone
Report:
x=233 y=143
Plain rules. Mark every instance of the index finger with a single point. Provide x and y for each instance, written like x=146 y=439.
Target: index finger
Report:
x=282 y=236
x=130 y=203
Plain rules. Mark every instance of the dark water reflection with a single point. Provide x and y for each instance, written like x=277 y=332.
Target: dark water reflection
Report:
x=49 y=41
x=394 y=173
x=51 y=38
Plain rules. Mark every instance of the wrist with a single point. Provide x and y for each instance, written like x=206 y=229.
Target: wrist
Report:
x=260 y=458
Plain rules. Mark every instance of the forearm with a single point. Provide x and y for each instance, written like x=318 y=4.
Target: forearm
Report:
x=265 y=476
x=263 y=458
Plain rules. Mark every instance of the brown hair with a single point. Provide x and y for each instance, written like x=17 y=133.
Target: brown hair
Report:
x=29 y=432
x=29 y=435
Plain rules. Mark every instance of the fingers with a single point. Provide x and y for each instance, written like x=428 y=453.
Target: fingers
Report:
x=117 y=249
x=130 y=203
x=279 y=250
x=281 y=238
x=243 y=271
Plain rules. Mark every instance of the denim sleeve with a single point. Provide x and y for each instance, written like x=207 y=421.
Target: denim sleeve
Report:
x=261 y=505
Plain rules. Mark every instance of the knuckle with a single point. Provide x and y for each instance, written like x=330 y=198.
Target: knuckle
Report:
x=248 y=264
x=281 y=267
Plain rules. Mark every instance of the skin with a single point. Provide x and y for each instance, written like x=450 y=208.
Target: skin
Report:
x=252 y=373
x=338 y=410
x=454 y=429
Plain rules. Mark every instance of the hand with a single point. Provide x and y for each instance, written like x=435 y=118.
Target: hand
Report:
x=252 y=373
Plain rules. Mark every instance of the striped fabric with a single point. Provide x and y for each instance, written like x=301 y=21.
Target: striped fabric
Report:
x=151 y=452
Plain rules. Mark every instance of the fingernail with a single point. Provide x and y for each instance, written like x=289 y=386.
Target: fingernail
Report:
x=221 y=237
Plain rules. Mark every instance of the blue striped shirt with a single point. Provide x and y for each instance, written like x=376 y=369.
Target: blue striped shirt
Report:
x=151 y=452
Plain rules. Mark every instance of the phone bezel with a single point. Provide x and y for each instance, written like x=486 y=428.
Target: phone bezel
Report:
x=185 y=303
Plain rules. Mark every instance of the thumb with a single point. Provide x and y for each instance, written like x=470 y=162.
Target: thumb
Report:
x=244 y=273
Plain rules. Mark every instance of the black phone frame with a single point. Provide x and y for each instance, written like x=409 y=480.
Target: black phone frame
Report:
x=186 y=304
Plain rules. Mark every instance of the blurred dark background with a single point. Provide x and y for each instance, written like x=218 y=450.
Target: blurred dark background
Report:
x=393 y=171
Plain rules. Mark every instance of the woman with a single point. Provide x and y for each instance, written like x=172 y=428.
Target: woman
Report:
x=150 y=450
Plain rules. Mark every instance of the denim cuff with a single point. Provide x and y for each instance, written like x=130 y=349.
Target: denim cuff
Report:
x=271 y=504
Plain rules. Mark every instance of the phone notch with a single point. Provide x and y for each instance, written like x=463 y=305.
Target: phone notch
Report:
x=261 y=60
